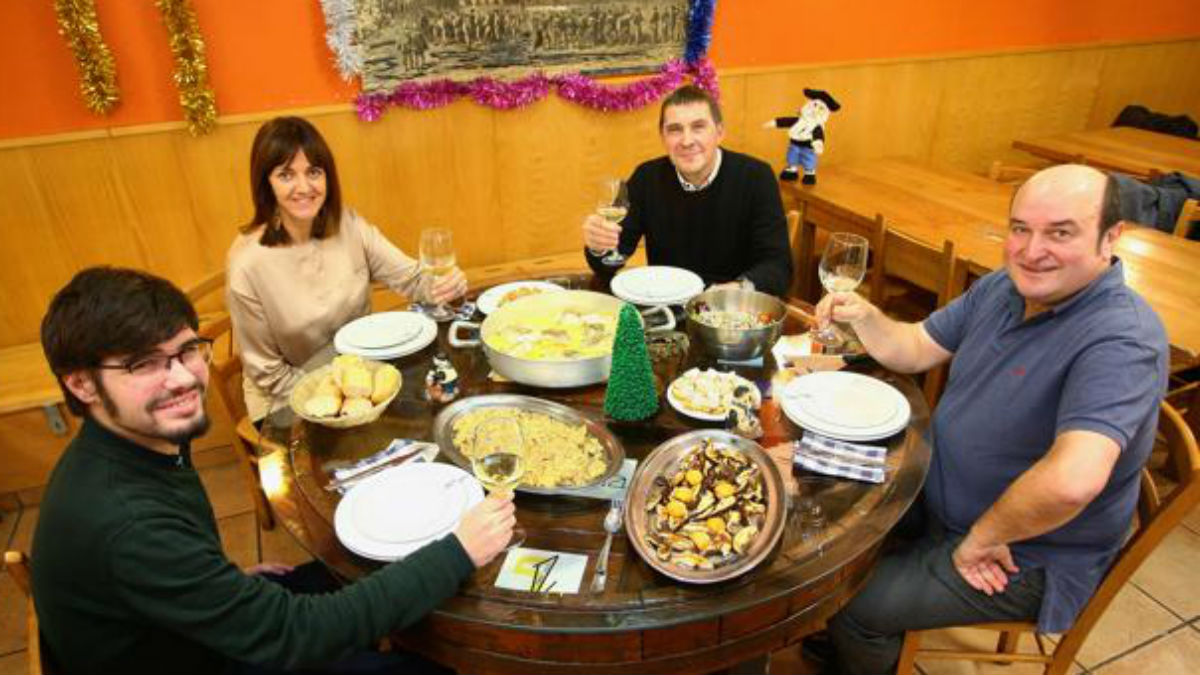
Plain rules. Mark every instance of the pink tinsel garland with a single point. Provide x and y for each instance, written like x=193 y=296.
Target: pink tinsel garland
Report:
x=574 y=87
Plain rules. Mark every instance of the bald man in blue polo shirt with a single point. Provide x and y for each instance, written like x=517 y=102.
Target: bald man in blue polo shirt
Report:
x=1047 y=419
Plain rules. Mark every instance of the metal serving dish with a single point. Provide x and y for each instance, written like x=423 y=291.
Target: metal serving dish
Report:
x=664 y=461
x=551 y=373
x=735 y=344
x=443 y=432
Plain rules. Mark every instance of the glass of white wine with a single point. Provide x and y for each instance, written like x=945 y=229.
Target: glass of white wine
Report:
x=843 y=266
x=498 y=461
x=614 y=206
x=437 y=258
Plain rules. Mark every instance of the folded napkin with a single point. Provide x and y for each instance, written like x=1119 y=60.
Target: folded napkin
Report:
x=399 y=451
x=838 y=458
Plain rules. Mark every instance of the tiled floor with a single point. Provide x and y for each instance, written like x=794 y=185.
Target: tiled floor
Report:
x=1153 y=625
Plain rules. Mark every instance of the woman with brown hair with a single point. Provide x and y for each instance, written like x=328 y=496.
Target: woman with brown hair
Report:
x=303 y=267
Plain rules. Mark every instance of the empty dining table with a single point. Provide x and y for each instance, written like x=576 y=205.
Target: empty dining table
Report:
x=933 y=203
x=1133 y=151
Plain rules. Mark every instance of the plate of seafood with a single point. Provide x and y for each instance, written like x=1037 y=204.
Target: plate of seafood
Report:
x=709 y=394
x=706 y=506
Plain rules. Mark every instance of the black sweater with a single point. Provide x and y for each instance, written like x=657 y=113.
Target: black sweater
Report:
x=129 y=576
x=732 y=228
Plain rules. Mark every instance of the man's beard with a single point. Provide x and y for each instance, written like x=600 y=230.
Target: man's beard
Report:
x=196 y=429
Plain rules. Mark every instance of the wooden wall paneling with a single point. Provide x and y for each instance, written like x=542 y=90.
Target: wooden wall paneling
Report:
x=887 y=109
x=989 y=101
x=1162 y=77
x=33 y=264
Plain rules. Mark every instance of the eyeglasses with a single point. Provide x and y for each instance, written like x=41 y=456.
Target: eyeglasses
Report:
x=192 y=355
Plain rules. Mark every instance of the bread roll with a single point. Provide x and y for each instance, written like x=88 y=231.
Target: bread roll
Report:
x=353 y=407
x=356 y=382
x=328 y=386
x=323 y=405
x=343 y=363
x=387 y=381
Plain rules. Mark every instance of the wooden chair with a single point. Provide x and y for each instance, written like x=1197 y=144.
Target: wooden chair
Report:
x=830 y=218
x=1009 y=173
x=1157 y=517
x=793 y=232
x=925 y=267
x=226 y=378
x=16 y=564
x=1187 y=215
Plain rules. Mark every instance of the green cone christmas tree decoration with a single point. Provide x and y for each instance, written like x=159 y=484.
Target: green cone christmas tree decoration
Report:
x=630 y=395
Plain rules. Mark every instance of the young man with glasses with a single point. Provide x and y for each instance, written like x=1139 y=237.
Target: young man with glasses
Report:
x=128 y=570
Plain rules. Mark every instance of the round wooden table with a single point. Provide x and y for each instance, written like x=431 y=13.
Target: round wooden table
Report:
x=643 y=622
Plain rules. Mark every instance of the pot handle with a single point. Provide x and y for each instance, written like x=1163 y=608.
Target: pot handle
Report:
x=669 y=325
x=452 y=334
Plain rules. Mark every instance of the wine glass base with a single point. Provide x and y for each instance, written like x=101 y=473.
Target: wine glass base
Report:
x=440 y=313
x=828 y=337
x=614 y=260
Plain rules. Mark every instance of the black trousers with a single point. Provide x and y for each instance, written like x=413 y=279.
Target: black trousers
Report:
x=916 y=587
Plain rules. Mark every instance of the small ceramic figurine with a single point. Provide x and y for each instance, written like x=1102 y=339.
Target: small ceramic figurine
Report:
x=743 y=416
x=441 y=383
x=806 y=135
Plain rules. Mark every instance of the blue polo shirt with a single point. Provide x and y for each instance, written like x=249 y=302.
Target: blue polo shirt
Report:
x=1095 y=362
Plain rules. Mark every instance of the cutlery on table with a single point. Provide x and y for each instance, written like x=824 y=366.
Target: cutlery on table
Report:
x=612 y=525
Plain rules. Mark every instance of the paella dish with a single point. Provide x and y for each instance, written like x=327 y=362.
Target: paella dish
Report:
x=565 y=335
x=555 y=454
x=707 y=512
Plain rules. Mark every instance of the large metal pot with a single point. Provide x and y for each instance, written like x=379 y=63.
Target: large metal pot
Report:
x=732 y=344
x=559 y=373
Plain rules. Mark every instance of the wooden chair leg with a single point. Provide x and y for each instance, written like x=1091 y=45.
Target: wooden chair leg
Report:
x=908 y=653
x=262 y=507
x=1007 y=643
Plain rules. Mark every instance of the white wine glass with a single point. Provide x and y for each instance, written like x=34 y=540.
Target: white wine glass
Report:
x=438 y=259
x=843 y=266
x=614 y=206
x=498 y=461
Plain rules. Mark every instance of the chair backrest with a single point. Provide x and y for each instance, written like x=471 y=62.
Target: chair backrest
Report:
x=925 y=266
x=1189 y=214
x=793 y=231
x=1157 y=517
x=829 y=218
x=226 y=369
x=16 y=564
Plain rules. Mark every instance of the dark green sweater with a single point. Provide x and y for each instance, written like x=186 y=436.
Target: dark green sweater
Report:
x=129 y=576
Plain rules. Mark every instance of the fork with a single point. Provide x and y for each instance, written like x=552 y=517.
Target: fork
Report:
x=612 y=525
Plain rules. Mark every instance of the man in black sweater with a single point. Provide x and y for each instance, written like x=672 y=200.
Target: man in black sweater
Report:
x=128 y=571
x=709 y=210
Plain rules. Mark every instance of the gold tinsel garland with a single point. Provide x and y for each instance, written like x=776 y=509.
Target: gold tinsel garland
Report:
x=191 y=70
x=77 y=22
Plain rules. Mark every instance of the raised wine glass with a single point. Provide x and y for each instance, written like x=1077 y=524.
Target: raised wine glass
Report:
x=843 y=266
x=498 y=461
x=437 y=257
x=614 y=206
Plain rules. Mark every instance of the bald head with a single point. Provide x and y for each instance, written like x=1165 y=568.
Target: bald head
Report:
x=1086 y=195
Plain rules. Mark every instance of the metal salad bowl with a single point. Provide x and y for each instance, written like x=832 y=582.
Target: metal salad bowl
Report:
x=735 y=344
x=664 y=462
x=443 y=433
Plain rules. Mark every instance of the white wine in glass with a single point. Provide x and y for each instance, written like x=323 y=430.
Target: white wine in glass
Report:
x=614 y=206
x=438 y=259
x=497 y=459
x=843 y=266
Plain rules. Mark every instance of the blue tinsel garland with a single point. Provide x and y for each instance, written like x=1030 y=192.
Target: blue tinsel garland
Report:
x=700 y=20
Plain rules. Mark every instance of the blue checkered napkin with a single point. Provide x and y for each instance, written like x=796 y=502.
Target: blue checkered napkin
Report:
x=837 y=458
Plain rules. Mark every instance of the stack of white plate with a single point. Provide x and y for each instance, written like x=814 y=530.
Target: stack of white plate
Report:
x=386 y=336
x=847 y=406
x=657 y=285
x=393 y=513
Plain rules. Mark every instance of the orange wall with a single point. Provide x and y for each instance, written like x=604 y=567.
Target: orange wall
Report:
x=270 y=54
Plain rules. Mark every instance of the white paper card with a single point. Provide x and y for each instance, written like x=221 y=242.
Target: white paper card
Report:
x=536 y=571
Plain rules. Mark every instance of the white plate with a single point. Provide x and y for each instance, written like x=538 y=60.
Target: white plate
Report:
x=406 y=504
x=849 y=406
x=657 y=285
x=348 y=532
x=711 y=417
x=382 y=330
x=489 y=300
x=423 y=338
